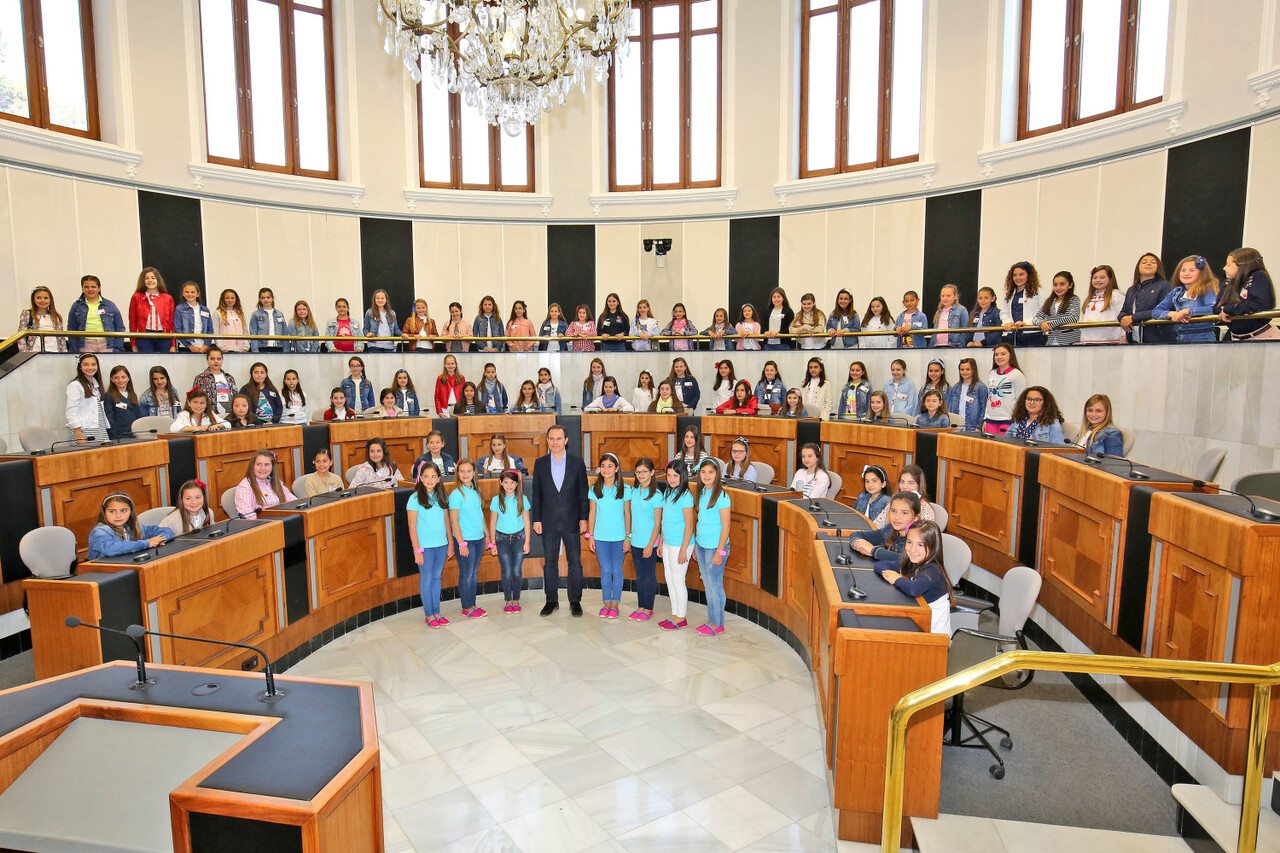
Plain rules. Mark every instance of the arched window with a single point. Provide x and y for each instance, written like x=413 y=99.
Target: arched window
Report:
x=664 y=98
x=47 y=74
x=461 y=151
x=1084 y=61
x=861 y=64
x=268 y=85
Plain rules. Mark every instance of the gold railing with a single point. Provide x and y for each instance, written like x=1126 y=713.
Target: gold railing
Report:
x=568 y=341
x=1263 y=678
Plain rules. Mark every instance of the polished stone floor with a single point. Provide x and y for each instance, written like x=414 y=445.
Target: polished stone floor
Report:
x=562 y=734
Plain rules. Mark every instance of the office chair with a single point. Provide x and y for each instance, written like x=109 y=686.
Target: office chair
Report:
x=228 y=502
x=940 y=516
x=837 y=483
x=1209 y=463
x=1259 y=484
x=1018 y=597
x=48 y=552
x=764 y=471
x=155 y=515
x=36 y=438
x=160 y=423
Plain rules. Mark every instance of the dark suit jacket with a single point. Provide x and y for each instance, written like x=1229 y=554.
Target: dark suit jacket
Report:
x=562 y=507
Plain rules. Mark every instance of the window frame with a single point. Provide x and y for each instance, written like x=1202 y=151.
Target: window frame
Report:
x=643 y=9
x=37 y=75
x=843 y=10
x=289 y=84
x=1125 y=77
x=455 y=181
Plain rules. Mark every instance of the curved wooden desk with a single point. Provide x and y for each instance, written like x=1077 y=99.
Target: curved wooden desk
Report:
x=851 y=445
x=773 y=440
x=629 y=436
x=406 y=440
x=222 y=457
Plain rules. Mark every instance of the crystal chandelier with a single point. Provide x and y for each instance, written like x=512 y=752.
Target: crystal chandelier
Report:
x=510 y=58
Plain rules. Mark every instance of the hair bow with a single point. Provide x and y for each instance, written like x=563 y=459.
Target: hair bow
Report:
x=201 y=484
x=1200 y=262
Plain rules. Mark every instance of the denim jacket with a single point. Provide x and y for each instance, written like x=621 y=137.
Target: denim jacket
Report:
x=987 y=319
x=184 y=322
x=294 y=330
x=112 y=321
x=957 y=318
x=1176 y=300
x=258 y=325
x=1108 y=440
x=771 y=394
x=975 y=404
x=371 y=328
x=357 y=333
x=489 y=327
x=545 y=331
x=364 y=398
x=919 y=320
x=847 y=324
x=859 y=393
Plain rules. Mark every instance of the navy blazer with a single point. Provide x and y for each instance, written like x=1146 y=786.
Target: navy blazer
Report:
x=559 y=507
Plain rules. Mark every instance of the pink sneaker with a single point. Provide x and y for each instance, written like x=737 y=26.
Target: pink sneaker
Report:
x=441 y=622
x=506 y=609
x=668 y=625
x=710 y=630
x=604 y=613
x=476 y=613
x=640 y=616
x=432 y=623
x=515 y=608
x=636 y=615
x=613 y=614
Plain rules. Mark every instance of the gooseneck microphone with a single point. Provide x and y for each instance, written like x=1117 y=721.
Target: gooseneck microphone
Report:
x=216 y=532
x=1132 y=474
x=271 y=695
x=67 y=442
x=1254 y=510
x=143 y=682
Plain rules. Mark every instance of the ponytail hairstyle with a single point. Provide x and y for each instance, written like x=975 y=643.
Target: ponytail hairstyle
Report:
x=130 y=529
x=437 y=496
x=518 y=494
x=619 y=486
x=931 y=537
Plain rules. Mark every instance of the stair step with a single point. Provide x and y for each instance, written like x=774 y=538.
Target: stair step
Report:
x=965 y=834
x=1220 y=821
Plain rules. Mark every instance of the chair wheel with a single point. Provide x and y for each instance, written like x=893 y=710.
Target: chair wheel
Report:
x=997 y=771
x=1006 y=742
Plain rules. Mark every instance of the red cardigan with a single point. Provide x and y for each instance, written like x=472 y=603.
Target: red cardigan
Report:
x=138 y=311
x=442 y=392
x=751 y=408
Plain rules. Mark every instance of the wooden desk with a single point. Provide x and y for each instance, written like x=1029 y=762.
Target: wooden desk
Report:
x=983 y=483
x=406 y=440
x=350 y=542
x=330 y=802
x=630 y=436
x=851 y=445
x=228 y=589
x=526 y=435
x=1084 y=539
x=773 y=440
x=70 y=484
x=222 y=457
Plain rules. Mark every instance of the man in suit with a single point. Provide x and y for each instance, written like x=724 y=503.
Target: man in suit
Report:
x=559 y=508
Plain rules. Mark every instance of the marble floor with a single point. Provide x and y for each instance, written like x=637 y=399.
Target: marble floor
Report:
x=562 y=734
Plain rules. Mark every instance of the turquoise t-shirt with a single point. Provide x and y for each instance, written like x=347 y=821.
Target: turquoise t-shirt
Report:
x=642 y=514
x=509 y=520
x=707 y=533
x=673 y=518
x=431 y=526
x=611 y=523
x=470 y=507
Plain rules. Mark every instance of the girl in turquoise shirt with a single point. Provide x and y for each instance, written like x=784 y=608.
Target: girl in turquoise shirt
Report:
x=608 y=527
x=466 y=515
x=646 y=537
x=711 y=543
x=509 y=535
x=429 y=533
x=677 y=530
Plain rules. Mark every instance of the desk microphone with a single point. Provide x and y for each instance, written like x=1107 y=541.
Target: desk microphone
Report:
x=142 y=433
x=1132 y=474
x=1254 y=510
x=218 y=532
x=71 y=441
x=827 y=522
x=143 y=682
x=137 y=632
x=843 y=558
x=814 y=506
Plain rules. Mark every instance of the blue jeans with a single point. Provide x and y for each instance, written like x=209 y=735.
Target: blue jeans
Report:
x=777 y=343
x=429 y=578
x=467 y=566
x=511 y=559
x=646 y=576
x=609 y=555
x=712 y=582
x=613 y=346
x=152 y=344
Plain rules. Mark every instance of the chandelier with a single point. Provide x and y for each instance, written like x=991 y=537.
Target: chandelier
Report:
x=511 y=59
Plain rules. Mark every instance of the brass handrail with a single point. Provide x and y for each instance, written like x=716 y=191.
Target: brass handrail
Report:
x=567 y=341
x=1263 y=678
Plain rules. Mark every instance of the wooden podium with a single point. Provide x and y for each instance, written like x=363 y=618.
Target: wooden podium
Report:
x=630 y=436
x=526 y=435
x=851 y=445
x=71 y=482
x=406 y=440
x=1088 y=552
x=773 y=440
x=299 y=775
x=222 y=457
x=984 y=483
x=350 y=542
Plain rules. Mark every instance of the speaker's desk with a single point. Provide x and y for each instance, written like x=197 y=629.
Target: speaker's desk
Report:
x=225 y=588
x=526 y=434
x=630 y=436
x=72 y=480
x=1093 y=545
x=299 y=775
x=989 y=486
x=772 y=440
x=852 y=444
x=222 y=457
x=406 y=439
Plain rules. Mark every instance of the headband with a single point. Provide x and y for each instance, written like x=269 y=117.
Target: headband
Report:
x=877 y=470
x=612 y=456
x=938 y=362
x=741 y=439
x=1025 y=266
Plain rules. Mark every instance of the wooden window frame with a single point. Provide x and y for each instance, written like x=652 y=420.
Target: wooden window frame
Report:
x=644 y=43
x=37 y=76
x=289 y=72
x=455 y=181
x=1125 y=77
x=843 y=10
